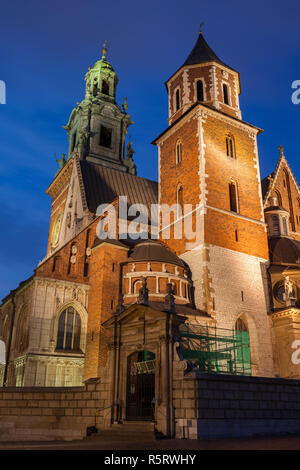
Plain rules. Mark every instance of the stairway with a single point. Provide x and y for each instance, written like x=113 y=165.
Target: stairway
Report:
x=129 y=431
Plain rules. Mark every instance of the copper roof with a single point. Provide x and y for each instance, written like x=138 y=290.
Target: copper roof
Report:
x=104 y=185
x=284 y=250
x=153 y=250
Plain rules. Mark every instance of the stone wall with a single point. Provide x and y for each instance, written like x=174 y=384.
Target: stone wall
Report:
x=41 y=414
x=235 y=406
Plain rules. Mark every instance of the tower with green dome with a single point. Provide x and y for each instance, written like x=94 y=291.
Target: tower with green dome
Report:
x=97 y=126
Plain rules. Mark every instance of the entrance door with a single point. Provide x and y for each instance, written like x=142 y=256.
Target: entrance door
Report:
x=140 y=385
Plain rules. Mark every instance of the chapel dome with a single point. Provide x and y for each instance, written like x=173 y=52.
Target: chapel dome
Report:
x=153 y=250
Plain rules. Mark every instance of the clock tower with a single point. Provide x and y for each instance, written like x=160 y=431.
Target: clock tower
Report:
x=97 y=129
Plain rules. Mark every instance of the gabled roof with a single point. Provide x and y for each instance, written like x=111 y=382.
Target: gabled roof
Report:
x=103 y=185
x=269 y=182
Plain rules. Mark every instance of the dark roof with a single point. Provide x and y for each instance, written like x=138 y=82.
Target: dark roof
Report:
x=102 y=184
x=284 y=250
x=152 y=250
x=202 y=53
x=275 y=208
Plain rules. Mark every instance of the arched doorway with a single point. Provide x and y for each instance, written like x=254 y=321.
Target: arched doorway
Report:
x=140 y=385
x=243 y=355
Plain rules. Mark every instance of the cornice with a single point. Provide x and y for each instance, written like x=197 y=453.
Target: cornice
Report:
x=61 y=180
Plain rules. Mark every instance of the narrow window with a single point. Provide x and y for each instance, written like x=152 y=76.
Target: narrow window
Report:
x=242 y=295
x=105 y=136
x=178 y=153
x=275 y=223
x=113 y=267
x=111 y=304
x=236 y=236
x=179 y=201
x=200 y=94
x=225 y=94
x=284 y=225
x=74 y=138
x=86 y=269
x=55 y=266
x=233 y=197
x=105 y=87
x=230 y=152
x=95 y=87
x=177 y=99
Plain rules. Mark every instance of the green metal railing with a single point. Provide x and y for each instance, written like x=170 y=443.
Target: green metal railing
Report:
x=215 y=350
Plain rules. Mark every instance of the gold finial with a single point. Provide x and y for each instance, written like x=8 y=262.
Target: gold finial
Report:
x=89 y=67
x=104 y=50
x=201 y=24
x=280 y=148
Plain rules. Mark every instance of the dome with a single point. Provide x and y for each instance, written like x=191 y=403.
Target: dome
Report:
x=284 y=251
x=152 y=250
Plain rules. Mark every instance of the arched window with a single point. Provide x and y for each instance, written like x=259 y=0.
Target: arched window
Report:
x=279 y=199
x=105 y=87
x=225 y=94
x=233 y=198
x=230 y=150
x=177 y=100
x=69 y=328
x=200 y=93
x=178 y=152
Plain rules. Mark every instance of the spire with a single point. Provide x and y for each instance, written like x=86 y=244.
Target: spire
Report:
x=202 y=52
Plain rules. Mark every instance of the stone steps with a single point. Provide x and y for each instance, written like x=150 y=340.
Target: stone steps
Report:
x=128 y=431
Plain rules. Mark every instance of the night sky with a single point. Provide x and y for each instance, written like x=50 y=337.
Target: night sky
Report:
x=45 y=51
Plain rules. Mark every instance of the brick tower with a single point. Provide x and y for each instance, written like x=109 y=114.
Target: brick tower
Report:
x=208 y=159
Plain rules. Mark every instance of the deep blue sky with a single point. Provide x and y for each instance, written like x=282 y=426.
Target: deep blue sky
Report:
x=45 y=51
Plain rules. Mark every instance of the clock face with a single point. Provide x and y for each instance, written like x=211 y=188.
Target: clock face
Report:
x=56 y=230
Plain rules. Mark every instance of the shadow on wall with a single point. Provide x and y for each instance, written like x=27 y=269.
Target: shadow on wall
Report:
x=2 y=352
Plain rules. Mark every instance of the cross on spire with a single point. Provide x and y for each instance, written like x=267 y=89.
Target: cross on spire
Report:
x=200 y=30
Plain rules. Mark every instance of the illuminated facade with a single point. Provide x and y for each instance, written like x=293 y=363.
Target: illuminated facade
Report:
x=240 y=274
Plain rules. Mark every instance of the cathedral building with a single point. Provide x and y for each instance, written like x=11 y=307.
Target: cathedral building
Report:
x=233 y=277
